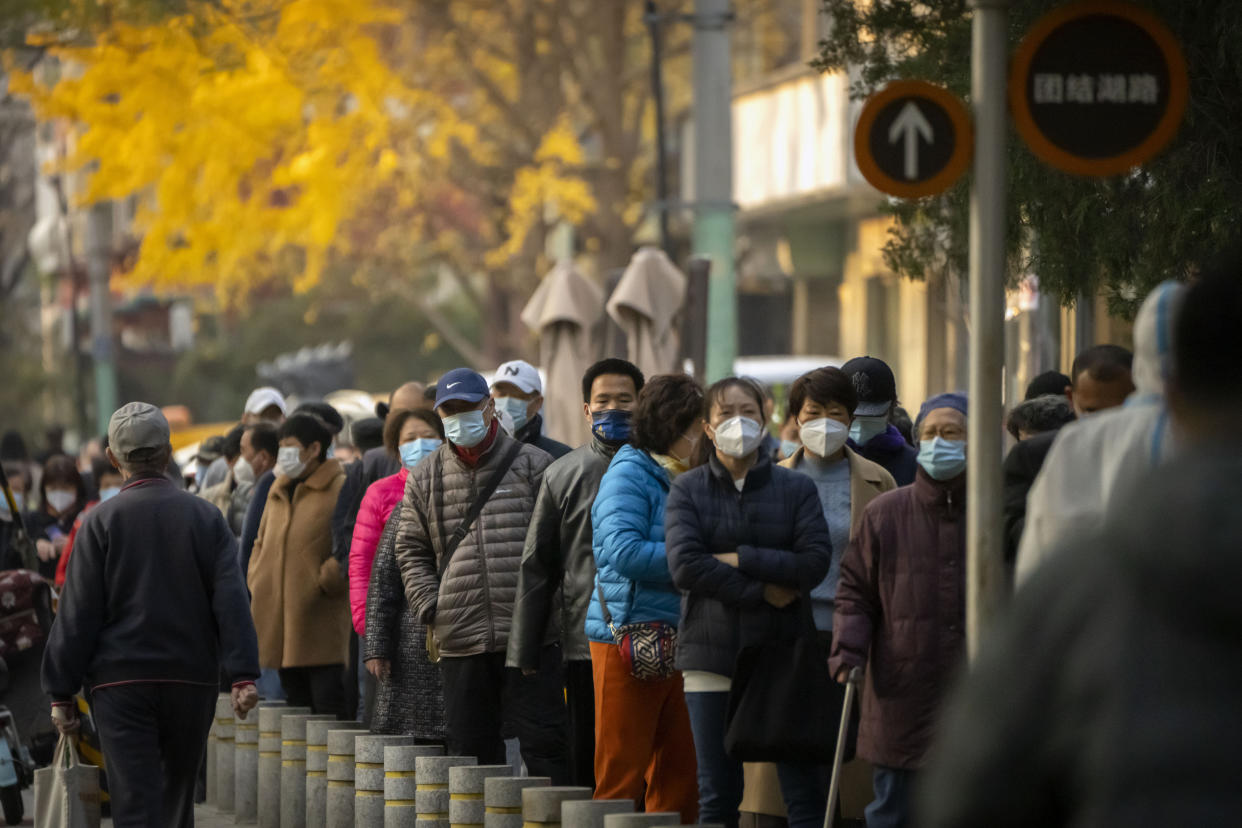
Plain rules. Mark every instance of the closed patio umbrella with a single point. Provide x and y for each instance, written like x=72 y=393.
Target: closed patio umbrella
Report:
x=645 y=305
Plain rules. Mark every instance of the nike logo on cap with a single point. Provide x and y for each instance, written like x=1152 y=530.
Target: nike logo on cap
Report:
x=453 y=385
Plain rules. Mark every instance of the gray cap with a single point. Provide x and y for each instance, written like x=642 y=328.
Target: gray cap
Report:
x=137 y=426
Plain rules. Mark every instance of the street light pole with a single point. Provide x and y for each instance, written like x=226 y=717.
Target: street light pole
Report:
x=713 y=179
x=654 y=23
x=99 y=269
x=984 y=549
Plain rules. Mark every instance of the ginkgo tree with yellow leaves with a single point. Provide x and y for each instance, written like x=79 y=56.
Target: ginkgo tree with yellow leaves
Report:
x=392 y=140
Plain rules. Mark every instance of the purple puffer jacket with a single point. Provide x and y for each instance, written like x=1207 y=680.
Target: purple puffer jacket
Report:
x=901 y=612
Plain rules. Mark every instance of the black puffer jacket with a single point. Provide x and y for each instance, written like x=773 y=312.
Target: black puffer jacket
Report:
x=558 y=568
x=776 y=526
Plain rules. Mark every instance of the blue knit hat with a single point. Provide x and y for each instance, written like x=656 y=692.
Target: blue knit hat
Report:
x=954 y=399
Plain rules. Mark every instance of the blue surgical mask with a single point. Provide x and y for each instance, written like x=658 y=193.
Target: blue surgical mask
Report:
x=20 y=499
x=789 y=448
x=109 y=493
x=611 y=426
x=465 y=430
x=416 y=450
x=865 y=429
x=516 y=409
x=942 y=459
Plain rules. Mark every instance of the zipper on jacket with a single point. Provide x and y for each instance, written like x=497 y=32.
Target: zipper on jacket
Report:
x=487 y=589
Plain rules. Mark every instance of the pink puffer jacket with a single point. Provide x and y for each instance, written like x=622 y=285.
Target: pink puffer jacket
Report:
x=377 y=504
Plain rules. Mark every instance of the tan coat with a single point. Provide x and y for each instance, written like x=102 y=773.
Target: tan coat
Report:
x=299 y=601
x=868 y=481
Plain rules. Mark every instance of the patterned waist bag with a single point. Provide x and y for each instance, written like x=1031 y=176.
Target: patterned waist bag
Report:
x=647 y=648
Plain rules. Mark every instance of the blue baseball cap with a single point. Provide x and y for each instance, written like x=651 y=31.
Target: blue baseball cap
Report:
x=461 y=384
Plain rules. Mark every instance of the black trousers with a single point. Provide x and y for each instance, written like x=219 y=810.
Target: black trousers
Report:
x=580 y=707
x=153 y=737
x=484 y=699
x=322 y=689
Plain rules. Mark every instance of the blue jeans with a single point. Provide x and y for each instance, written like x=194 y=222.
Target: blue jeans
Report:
x=803 y=787
x=891 y=807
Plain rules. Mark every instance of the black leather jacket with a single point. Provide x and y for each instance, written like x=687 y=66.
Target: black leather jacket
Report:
x=558 y=568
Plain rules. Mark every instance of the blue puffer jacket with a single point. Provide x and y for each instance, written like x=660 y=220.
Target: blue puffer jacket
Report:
x=628 y=528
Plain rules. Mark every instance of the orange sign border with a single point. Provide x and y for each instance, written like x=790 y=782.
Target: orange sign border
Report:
x=1166 y=129
x=962 y=151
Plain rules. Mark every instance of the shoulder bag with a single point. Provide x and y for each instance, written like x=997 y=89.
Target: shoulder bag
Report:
x=647 y=648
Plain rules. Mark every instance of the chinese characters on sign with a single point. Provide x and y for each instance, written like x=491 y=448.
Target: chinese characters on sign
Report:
x=1054 y=88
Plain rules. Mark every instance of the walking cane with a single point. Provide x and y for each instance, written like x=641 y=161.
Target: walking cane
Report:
x=834 y=788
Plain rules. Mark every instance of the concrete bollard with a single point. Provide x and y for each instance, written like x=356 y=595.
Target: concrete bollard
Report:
x=270 y=714
x=213 y=744
x=246 y=769
x=542 y=806
x=400 y=786
x=317 y=769
x=369 y=776
x=590 y=813
x=341 y=777
x=432 y=776
x=502 y=799
x=651 y=820
x=225 y=753
x=293 y=768
x=466 y=806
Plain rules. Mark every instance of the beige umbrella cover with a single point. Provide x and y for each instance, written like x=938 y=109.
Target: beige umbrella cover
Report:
x=564 y=312
x=645 y=304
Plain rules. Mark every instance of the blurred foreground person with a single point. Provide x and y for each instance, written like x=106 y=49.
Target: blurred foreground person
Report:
x=1109 y=696
x=153 y=609
x=901 y=609
x=62 y=497
x=109 y=480
x=1095 y=458
x=872 y=434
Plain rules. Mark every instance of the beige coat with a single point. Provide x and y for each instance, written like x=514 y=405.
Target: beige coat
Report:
x=868 y=481
x=300 y=608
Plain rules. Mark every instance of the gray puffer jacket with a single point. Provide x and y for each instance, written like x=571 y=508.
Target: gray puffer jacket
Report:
x=472 y=608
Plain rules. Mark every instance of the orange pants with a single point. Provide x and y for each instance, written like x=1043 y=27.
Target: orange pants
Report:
x=644 y=748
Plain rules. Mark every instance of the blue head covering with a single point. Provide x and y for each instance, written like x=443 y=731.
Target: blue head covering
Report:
x=954 y=399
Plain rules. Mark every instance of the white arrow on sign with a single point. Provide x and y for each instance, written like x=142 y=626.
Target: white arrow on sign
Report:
x=909 y=125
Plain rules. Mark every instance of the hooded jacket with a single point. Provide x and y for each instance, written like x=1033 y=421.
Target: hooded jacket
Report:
x=775 y=525
x=1091 y=457
x=1109 y=693
x=472 y=607
x=557 y=577
x=901 y=613
x=628 y=539
x=890 y=450
x=532 y=434
x=374 y=511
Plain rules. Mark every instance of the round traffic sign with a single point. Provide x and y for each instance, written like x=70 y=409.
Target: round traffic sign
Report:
x=913 y=139
x=1098 y=88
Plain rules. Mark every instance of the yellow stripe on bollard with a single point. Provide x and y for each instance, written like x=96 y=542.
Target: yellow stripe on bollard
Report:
x=492 y=809
x=404 y=803
x=292 y=763
x=316 y=774
x=317 y=748
x=466 y=797
x=337 y=783
x=432 y=786
x=293 y=742
x=370 y=765
x=271 y=754
x=399 y=775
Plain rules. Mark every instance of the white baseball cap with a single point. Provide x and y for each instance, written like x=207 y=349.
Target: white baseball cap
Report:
x=520 y=373
x=261 y=399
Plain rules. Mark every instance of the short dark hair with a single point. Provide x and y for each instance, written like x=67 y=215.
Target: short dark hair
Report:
x=306 y=428
x=1103 y=363
x=397 y=420
x=1048 y=412
x=232 y=442
x=719 y=387
x=1207 y=360
x=62 y=469
x=823 y=385
x=326 y=413
x=611 y=365
x=667 y=406
x=265 y=437
x=1049 y=382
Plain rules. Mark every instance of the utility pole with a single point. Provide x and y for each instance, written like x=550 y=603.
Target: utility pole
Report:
x=654 y=23
x=984 y=550
x=99 y=270
x=713 y=178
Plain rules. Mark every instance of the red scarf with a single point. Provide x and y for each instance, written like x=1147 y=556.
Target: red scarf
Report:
x=472 y=456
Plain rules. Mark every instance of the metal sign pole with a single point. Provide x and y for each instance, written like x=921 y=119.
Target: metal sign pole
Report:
x=984 y=549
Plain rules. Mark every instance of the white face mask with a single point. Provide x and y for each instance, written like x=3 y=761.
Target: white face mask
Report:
x=824 y=437
x=61 y=499
x=243 y=472
x=289 y=462
x=739 y=437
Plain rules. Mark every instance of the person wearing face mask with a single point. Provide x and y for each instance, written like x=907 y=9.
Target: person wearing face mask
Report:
x=558 y=569
x=16 y=548
x=518 y=392
x=459 y=547
x=821 y=404
x=109 y=480
x=62 y=496
x=643 y=744
x=221 y=494
x=872 y=434
x=746 y=540
x=300 y=609
x=900 y=609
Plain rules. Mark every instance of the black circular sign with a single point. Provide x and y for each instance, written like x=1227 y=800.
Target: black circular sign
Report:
x=913 y=139
x=1098 y=88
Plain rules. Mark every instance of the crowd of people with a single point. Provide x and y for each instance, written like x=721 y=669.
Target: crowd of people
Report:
x=466 y=580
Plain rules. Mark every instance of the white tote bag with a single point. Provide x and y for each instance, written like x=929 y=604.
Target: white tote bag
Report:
x=66 y=792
